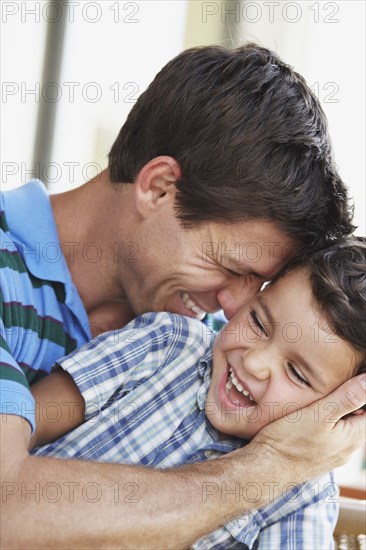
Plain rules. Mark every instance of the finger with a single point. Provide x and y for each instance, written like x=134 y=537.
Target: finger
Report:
x=354 y=426
x=359 y=411
x=346 y=399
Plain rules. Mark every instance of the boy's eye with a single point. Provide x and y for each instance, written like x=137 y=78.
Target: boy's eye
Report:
x=258 y=323
x=297 y=374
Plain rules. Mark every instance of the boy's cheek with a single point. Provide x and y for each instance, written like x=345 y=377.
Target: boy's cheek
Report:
x=233 y=341
x=232 y=333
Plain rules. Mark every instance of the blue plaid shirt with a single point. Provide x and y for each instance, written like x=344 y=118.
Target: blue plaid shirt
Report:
x=145 y=388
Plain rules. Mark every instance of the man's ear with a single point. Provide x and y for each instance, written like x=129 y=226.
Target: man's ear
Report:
x=155 y=184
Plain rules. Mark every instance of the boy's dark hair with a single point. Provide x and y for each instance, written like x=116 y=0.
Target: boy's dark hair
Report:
x=251 y=140
x=338 y=280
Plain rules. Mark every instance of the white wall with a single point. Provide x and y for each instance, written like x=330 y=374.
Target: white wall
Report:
x=23 y=36
x=120 y=58
x=112 y=51
x=325 y=42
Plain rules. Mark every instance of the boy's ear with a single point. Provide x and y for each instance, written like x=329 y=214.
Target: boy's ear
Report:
x=155 y=184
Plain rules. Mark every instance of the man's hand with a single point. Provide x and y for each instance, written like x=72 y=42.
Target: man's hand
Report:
x=321 y=436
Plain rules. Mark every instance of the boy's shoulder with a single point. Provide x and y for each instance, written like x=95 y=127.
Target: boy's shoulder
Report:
x=173 y=326
x=161 y=336
x=170 y=337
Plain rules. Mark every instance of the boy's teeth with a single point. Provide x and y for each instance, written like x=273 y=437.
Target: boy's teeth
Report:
x=229 y=385
x=234 y=381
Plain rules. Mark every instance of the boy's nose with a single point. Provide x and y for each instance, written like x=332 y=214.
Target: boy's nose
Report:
x=257 y=362
x=236 y=292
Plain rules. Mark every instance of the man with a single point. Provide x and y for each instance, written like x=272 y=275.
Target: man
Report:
x=222 y=171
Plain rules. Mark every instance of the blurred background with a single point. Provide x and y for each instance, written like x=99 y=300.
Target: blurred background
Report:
x=72 y=70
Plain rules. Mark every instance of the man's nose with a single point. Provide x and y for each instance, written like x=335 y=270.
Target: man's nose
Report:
x=236 y=292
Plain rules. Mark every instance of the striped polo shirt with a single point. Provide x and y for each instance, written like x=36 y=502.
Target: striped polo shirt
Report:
x=42 y=315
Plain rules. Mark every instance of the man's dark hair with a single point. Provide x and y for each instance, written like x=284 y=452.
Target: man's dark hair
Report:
x=251 y=140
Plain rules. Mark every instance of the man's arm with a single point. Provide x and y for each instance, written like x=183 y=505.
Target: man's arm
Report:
x=137 y=507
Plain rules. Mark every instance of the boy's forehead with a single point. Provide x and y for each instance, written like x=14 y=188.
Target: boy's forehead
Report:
x=295 y=278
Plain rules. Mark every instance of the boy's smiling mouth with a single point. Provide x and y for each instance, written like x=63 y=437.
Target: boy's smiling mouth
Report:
x=238 y=394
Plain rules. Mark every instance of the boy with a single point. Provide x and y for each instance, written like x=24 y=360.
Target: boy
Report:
x=150 y=397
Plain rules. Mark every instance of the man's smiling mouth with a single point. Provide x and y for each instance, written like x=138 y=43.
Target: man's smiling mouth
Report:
x=192 y=306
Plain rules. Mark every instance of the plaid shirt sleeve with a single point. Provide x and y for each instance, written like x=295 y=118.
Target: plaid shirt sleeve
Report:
x=221 y=540
x=303 y=519
x=121 y=358
x=310 y=527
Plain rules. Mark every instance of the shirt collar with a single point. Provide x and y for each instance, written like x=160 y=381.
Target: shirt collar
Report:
x=37 y=233
x=38 y=241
